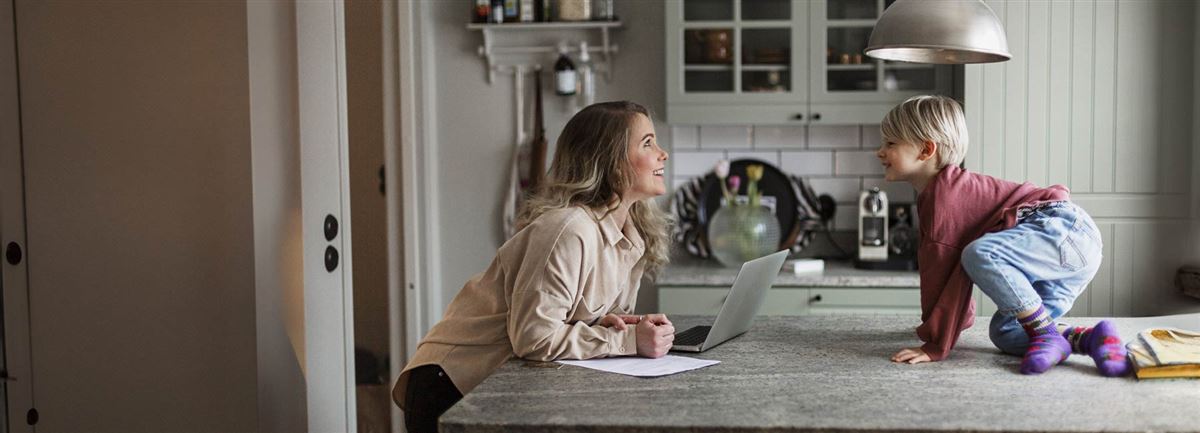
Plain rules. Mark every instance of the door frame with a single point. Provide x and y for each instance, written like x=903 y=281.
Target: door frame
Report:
x=17 y=352
x=409 y=143
x=325 y=191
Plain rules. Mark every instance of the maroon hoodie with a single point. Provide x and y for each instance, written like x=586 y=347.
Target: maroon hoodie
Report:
x=958 y=207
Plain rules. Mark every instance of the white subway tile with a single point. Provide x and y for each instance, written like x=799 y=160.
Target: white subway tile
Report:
x=767 y=156
x=807 y=163
x=843 y=190
x=685 y=137
x=856 y=163
x=724 y=137
x=896 y=191
x=779 y=137
x=684 y=164
x=834 y=137
x=871 y=137
x=846 y=218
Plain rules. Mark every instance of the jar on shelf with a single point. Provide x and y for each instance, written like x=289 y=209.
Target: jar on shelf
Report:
x=573 y=10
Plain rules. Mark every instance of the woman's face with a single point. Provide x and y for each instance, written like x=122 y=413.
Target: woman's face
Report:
x=647 y=160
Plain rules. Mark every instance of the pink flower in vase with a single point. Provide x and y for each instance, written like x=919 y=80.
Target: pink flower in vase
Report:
x=734 y=183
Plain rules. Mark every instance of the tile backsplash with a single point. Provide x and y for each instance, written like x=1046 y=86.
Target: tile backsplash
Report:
x=837 y=160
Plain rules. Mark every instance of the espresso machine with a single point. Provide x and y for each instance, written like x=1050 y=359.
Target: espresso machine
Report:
x=872 y=226
x=887 y=233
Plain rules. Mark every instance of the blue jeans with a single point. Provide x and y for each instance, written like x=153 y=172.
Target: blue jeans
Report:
x=1048 y=258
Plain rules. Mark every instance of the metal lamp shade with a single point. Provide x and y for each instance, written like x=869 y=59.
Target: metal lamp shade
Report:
x=939 y=31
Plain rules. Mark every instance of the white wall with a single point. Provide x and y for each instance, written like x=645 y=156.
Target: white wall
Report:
x=1099 y=97
x=475 y=131
x=279 y=277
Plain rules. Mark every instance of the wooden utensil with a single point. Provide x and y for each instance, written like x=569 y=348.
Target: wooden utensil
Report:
x=537 y=165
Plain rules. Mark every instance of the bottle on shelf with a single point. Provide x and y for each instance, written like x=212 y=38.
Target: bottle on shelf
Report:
x=543 y=9
x=587 y=76
x=497 y=12
x=564 y=73
x=526 y=9
x=602 y=10
x=481 y=12
x=511 y=11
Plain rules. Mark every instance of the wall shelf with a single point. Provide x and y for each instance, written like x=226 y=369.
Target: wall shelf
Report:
x=494 y=53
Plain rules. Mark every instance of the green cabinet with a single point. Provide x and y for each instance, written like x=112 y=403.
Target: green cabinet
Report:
x=793 y=62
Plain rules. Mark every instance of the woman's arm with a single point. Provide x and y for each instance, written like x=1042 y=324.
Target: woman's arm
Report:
x=544 y=294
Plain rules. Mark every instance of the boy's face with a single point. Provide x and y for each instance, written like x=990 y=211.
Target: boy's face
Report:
x=902 y=160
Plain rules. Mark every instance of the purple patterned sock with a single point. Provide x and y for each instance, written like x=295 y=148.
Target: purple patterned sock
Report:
x=1103 y=344
x=1047 y=347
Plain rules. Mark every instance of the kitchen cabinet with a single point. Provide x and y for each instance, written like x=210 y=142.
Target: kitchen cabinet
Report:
x=797 y=301
x=805 y=301
x=784 y=62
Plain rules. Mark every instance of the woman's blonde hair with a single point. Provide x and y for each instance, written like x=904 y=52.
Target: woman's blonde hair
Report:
x=591 y=168
x=929 y=118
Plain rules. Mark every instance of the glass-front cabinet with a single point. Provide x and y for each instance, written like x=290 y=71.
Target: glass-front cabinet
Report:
x=784 y=62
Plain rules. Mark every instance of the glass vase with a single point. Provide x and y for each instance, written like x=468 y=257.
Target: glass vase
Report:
x=740 y=233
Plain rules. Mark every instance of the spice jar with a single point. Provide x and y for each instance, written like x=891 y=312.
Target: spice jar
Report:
x=574 y=10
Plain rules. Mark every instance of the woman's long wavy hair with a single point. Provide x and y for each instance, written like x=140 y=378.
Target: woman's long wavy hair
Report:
x=591 y=168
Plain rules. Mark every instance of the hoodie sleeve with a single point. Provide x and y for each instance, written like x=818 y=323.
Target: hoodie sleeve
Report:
x=946 y=305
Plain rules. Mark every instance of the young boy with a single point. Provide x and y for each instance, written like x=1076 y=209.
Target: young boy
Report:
x=1029 y=249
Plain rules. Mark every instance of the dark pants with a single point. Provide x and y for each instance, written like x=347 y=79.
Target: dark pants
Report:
x=430 y=393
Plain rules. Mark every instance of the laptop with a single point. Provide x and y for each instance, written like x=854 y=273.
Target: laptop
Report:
x=741 y=305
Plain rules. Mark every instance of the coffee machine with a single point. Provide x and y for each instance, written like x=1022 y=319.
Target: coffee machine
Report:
x=872 y=226
x=887 y=233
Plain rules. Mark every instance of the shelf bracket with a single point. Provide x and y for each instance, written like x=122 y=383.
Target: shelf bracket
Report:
x=491 y=53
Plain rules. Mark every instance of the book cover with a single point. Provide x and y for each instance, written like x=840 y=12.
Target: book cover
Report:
x=1172 y=346
x=1145 y=366
x=1165 y=353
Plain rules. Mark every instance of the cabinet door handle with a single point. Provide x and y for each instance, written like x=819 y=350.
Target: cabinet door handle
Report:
x=816 y=116
x=814 y=299
x=798 y=116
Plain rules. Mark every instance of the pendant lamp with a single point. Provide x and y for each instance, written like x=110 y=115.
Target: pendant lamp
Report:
x=939 y=31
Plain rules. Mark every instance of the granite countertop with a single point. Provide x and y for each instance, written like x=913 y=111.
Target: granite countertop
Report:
x=831 y=373
x=693 y=271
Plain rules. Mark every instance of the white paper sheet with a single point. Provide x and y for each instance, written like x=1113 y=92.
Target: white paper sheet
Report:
x=644 y=367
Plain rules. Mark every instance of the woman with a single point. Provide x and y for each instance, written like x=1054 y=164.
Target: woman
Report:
x=564 y=286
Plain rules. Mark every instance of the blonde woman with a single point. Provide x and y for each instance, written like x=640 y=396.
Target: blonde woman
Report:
x=565 y=285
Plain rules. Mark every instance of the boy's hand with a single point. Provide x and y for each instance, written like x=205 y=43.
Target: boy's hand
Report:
x=912 y=355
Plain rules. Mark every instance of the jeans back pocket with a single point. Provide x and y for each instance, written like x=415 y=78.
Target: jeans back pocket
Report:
x=1080 y=244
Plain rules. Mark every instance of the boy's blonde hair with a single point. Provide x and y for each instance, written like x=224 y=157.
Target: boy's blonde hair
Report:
x=929 y=118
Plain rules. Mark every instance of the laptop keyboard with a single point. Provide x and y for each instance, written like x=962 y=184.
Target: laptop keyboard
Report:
x=692 y=337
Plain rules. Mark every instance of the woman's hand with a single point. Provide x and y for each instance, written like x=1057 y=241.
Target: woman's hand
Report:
x=912 y=355
x=654 y=336
x=618 y=321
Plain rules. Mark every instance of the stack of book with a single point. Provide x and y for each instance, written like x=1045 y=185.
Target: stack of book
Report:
x=1165 y=353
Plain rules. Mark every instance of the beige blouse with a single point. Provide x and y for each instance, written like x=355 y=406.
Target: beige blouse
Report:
x=540 y=299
